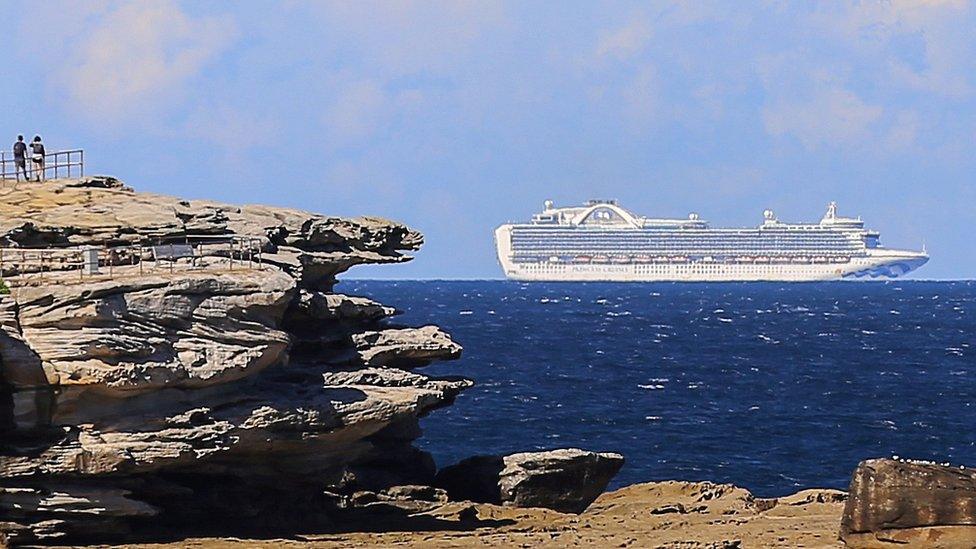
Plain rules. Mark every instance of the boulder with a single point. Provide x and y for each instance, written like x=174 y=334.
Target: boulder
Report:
x=338 y=307
x=409 y=499
x=405 y=347
x=895 y=502
x=565 y=480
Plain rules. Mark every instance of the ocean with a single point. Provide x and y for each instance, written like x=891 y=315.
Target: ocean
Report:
x=773 y=387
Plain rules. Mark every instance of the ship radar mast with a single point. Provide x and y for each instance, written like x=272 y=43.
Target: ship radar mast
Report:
x=548 y=204
x=831 y=211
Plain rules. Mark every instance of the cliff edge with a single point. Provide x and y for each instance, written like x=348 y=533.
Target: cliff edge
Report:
x=217 y=385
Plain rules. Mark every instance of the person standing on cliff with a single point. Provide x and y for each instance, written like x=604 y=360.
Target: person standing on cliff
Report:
x=37 y=158
x=20 y=158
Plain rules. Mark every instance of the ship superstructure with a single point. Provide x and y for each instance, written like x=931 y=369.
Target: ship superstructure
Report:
x=603 y=241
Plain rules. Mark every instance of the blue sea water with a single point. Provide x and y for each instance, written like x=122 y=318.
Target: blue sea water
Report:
x=774 y=387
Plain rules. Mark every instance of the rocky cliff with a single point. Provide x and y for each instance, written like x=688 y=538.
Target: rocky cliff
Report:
x=200 y=395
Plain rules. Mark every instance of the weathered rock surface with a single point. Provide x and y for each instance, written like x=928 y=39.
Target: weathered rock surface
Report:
x=153 y=401
x=406 y=347
x=188 y=329
x=409 y=499
x=325 y=306
x=101 y=211
x=565 y=480
x=716 y=516
x=908 y=503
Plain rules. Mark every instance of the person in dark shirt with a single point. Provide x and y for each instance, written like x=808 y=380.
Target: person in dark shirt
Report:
x=20 y=157
x=37 y=158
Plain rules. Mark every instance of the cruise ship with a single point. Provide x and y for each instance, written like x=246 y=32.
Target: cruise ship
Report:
x=601 y=241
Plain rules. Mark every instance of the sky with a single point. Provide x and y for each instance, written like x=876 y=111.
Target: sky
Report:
x=455 y=117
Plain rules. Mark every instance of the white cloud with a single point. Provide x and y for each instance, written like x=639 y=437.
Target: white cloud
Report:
x=831 y=116
x=359 y=109
x=641 y=95
x=903 y=130
x=135 y=57
x=405 y=36
x=231 y=130
x=625 y=42
x=941 y=26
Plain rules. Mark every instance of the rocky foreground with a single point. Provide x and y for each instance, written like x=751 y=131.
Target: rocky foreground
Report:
x=219 y=391
x=209 y=396
x=219 y=401
x=679 y=515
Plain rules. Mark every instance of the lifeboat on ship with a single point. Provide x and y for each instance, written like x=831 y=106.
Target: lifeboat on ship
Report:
x=600 y=259
x=620 y=259
x=582 y=259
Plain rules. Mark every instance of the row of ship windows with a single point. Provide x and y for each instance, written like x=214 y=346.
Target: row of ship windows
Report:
x=697 y=269
x=684 y=247
x=646 y=249
x=646 y=241
x=684 y=241
x=685 y=252
x=667 y=236
x=674 y=230
x=683 y=234
x=687 y=237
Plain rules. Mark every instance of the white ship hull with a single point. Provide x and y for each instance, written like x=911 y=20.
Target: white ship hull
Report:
x=875 y=263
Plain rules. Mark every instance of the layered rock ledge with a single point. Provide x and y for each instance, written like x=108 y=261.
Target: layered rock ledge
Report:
x=908 y=503
x=207 y=396
x=671 y=515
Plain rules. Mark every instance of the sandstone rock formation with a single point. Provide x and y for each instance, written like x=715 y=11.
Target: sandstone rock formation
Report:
x=565 y=480
x=699 y=515
x=212 y=395
x=910 y=503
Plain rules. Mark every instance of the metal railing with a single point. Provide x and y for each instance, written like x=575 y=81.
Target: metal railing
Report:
x=38 y=265
x=70 y=163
